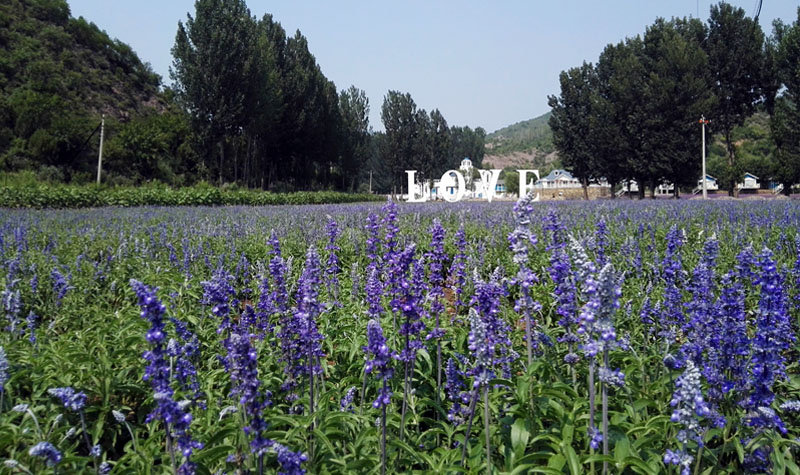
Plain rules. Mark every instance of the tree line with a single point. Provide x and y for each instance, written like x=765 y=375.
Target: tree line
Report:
x=248 y=105
x=634 y=115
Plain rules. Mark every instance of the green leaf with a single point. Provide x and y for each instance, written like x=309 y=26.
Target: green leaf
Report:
x=622 y=449
x=557 y=461
x=572 y=460
x=519 y=437
x=213 y=454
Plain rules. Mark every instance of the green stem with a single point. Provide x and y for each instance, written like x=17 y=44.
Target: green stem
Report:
x=486 y=429
x=471 y=411
x=697 y=463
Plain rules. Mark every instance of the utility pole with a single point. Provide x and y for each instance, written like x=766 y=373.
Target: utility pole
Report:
x=370 y=182
x=100 y=155
x=703 y=121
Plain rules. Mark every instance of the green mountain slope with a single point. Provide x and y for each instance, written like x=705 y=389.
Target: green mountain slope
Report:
x=525 y=144
x=58 y=74
x=523 y=136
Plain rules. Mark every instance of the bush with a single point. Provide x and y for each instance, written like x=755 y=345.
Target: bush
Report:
x=22 y=194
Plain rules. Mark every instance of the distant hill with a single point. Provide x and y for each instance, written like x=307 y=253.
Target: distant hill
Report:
x=526 y=143
x=58 y=74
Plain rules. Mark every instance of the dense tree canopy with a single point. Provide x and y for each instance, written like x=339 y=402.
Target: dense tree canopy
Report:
x=635 y=114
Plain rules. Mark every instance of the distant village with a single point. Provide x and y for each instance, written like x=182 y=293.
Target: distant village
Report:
x=559 y=184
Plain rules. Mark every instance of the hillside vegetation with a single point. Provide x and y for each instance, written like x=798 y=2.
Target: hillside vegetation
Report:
x=525 y=136
x=58 y=74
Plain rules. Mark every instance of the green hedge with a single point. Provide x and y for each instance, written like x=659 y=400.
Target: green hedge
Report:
x=70 y=196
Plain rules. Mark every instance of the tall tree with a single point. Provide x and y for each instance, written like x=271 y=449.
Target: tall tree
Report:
x=571 y=122
x=677 y=94
x=785 y=121
x=212 y=69
x=354 y=110
x=735 y=48
x=441 y=143
x=399 y=116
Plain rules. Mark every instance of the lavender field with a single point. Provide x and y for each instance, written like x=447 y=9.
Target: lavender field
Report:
x=602 y=337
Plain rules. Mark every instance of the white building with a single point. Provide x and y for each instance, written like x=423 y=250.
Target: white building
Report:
x=750 y=182
x=711 y=183
x=557 y=179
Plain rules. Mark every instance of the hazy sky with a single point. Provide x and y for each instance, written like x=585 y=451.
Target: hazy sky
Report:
x=488 y=63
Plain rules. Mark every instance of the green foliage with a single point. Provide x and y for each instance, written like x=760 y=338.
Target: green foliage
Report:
x=57 y=74
x=25 y=194
x=524 y=136
x=735 y=48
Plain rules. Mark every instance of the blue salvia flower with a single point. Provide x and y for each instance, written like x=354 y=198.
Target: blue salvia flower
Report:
x=702 y=314
x=673 y=276
x=34 y=281
x=3 y=374
x=12 y=305
x=96 y=451
x=582 y=265
x=521 y=240
x=486 y=302
x=380 y=364
x=289 y=461
x=60 y=285
x=407 y=302
x=436 y=258
x=596 y=317
x=33 y=322
x=185 y=354
x=482 y=347
x=274 y=298
x=458 y=269
x=346 y=403
x=218 y=293
x=689 y=408
x=601 y=242
x=729 y=346
x=745 y=265
x=47 y=451
x=389 y=223
x=355 y=280
x=332 y=268
x=455 y=390
x=566 y=299
x=73 y=400
x=245 y=386
x=773 y=336
x=299 y=337
x=791 y=406
x=373 y=291
x=796 y=272
x=157 y=372
x=373 y=228
x=552 y=223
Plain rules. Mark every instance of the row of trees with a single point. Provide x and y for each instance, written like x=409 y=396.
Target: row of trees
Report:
x=260 y=107
x=248 y=105
x=417 y=140
x=634 y=114
x=263 y=113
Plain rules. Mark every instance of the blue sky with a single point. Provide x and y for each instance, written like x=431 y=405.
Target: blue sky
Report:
x=488 y=63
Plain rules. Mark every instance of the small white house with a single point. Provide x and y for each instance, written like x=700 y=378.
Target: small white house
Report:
x=558 y=179
x=750 y=182
x=665 y=189
x=711 y=184
x=630 y=186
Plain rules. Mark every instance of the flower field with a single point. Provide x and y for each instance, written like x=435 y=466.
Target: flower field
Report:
x=604 y=337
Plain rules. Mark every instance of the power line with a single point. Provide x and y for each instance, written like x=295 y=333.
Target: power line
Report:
x=757 y=10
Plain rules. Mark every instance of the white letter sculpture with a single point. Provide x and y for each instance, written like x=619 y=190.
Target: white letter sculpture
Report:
x=447 y=181
x=489 y=182
x=523 y=182
x=413 y=187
